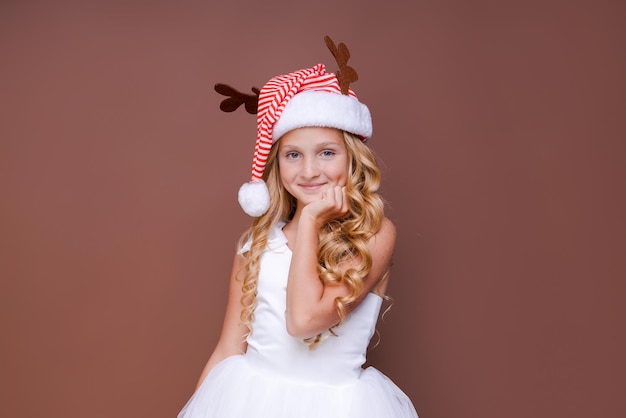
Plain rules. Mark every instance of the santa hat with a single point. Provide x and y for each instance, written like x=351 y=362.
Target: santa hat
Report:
x=308 y=97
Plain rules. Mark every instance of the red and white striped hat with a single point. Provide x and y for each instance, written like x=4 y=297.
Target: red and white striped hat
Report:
x=309 y=97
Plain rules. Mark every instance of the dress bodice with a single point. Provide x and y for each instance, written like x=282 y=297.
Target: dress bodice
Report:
x=280 y=377
x=335 y=360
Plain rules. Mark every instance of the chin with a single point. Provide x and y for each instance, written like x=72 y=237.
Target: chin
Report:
x=309 y=199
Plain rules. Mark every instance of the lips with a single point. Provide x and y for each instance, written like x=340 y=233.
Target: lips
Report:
x=312 y=186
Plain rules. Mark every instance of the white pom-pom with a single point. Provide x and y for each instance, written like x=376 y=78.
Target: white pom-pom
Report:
x=254 y=198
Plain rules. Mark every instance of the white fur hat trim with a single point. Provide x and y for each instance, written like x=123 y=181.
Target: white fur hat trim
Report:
x=325 y=109
x=254 y=198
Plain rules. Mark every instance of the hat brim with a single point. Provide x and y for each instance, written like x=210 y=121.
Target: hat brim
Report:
x=324 y=109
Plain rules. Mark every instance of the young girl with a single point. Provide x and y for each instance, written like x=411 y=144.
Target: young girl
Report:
x=310 y=275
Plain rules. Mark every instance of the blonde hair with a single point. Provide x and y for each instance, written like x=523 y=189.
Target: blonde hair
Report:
x=340 y=240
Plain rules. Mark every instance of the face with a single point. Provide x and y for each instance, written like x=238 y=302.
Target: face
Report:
x=310 y=160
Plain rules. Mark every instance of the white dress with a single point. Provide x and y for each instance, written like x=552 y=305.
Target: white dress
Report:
x=279 y=377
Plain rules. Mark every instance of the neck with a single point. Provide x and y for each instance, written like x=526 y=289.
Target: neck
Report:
x=296 y=216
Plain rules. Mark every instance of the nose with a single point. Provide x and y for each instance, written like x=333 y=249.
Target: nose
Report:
x=310 y=168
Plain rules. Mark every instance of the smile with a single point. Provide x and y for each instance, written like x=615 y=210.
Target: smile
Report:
x=315 y=186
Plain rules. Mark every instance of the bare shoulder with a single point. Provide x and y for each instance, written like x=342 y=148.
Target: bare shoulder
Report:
x=388 y=227
x=385 y=238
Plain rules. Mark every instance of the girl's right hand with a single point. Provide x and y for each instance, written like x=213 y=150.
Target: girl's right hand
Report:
x=332 y=205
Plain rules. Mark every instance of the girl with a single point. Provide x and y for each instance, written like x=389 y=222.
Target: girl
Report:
x=310 y=274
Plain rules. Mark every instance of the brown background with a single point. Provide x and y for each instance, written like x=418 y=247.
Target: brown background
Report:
x=501 y=130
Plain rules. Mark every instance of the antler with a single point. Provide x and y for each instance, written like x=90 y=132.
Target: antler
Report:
x=345 y=74
x=236 y=99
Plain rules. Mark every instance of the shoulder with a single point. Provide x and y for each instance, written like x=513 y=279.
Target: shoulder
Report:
x=382 y=244
x=386 y=235
x=244 y=244
x=387 y=227
x=271 y=237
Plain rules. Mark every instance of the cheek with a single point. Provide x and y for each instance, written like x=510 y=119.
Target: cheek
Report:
x=286 y=175
x=344 y=179
x=345 y=170
x=341 y=174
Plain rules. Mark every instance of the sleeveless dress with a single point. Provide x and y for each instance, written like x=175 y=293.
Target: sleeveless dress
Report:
x=279 y=377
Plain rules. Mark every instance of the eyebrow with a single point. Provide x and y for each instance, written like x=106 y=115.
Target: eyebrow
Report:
x=329 y=144
x=322 y=145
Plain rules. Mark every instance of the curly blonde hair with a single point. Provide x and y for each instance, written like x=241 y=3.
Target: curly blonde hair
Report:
x=340 y=240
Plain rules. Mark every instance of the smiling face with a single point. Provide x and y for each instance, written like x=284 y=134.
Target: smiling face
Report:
x=310 y=160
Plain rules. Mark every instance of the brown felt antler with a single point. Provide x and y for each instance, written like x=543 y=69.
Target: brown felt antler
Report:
x=236 y=99
x=345 y=74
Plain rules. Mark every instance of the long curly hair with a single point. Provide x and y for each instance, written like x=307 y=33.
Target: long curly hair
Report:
x=340 y=240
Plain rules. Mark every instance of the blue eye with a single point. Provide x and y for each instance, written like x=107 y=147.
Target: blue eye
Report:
x=292 y=155
x=328 y=153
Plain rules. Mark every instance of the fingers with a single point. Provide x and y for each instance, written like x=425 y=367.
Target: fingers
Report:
x=333 y=204
x=340 y=199
x=332 y=194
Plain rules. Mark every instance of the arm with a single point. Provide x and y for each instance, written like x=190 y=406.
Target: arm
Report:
x=311 y=305
x=233 y=336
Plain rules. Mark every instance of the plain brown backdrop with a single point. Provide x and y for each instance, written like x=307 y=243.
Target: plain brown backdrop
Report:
x=501 y=129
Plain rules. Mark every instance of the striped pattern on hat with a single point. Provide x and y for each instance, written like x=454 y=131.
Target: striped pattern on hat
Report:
x=273 y=98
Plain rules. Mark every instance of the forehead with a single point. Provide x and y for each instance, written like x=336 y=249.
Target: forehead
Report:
x=312 y=136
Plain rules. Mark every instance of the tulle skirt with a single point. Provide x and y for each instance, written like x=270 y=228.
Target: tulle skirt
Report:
x=235 y=389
